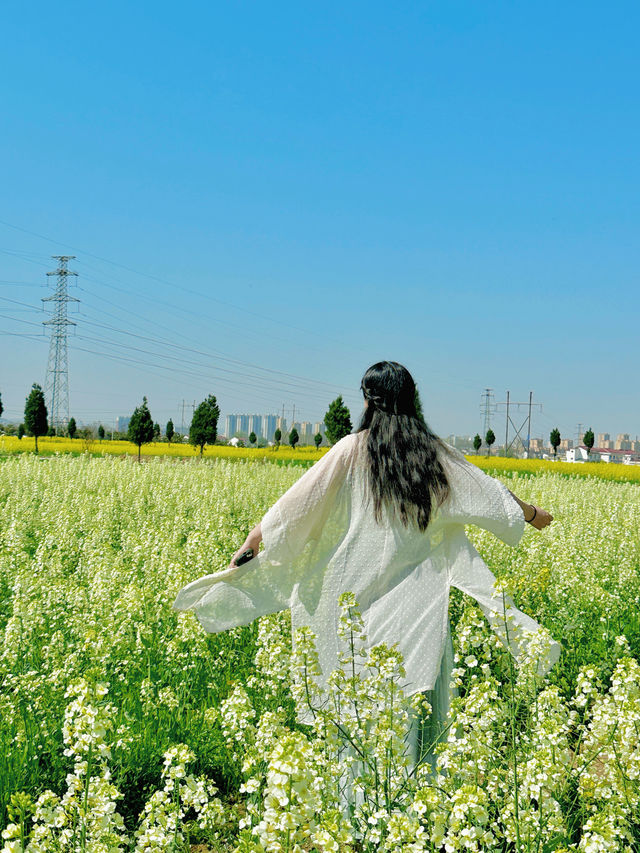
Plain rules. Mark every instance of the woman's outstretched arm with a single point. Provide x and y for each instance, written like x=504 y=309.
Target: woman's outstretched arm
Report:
x=533 y=515
x=253 y=541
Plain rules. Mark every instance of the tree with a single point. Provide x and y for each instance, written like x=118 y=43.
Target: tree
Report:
x=156 y=432
x=337 y=421
x=21 y=431
x=278 y=436
x=588 y=440
x=294 y=438
x=169 y=431
x=140 y=426
x=51 y=432
x=72 y=427
x=419 y=411
x=1 y=408
x=101 y=432
x=477 y=443
x=490 y=438
x=252 y=438
x=204 y=424
x=35 y=413
x=318 y=439
x=554 y=439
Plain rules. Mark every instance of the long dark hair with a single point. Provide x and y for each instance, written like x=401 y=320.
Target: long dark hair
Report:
x=404 y=472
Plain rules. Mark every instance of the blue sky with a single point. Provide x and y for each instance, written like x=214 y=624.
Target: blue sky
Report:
x=266 y=198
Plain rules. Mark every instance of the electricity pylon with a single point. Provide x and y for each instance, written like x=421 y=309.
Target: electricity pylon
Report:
x=57 y=381
x=487 y=408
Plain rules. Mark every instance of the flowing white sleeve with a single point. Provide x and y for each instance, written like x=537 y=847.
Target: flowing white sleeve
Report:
x=238 y=595
x=518 y=632
x=476 y=498
x=299 y=516
x=479 y=499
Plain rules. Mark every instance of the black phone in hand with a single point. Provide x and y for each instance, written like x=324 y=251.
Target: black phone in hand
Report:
x=244 y=557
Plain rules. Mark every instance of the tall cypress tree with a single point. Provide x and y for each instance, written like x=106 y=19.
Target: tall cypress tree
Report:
x=35 y=413
x=141 y=426
x=337 y=421
x=489 y=438
x=589 y=440
x=204 y=424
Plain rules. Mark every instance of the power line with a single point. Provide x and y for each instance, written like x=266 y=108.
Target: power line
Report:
x=291 y=381
x=171 y=284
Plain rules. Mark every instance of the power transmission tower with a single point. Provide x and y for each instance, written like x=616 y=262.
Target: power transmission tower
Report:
x=193 y=409
x=525 y=443
x=57 y=381
x=487 y=407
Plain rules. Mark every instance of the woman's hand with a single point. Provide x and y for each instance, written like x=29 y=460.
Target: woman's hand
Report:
x=533 y=515
x=253 y=541
x=537 y=517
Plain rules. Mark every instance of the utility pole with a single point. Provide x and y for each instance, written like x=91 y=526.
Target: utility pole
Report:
x=57 y=380
x=506 y=428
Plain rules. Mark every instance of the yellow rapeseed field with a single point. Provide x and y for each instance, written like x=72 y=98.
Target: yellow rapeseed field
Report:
x=603 y=470
x=55 y=444
x=499 y=464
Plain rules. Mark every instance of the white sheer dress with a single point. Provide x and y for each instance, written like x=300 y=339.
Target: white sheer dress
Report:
x=321 y=539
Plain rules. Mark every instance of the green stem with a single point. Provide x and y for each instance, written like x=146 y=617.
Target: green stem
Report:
x=516 y=811
x=85 y=800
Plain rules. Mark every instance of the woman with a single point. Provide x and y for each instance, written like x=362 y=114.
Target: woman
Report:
x=381 y=515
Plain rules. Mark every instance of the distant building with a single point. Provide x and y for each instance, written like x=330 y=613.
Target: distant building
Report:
x=306 y=432
x=623 y=441
x=602 y=454
x=122 y=424
x=255 y=424
x=242 y=424
x=264 y=426
x=269 y=426
x=460 y=442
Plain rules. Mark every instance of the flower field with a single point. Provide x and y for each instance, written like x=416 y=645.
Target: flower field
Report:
x=11 y=444
x=305 y=454
x=124 y=727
